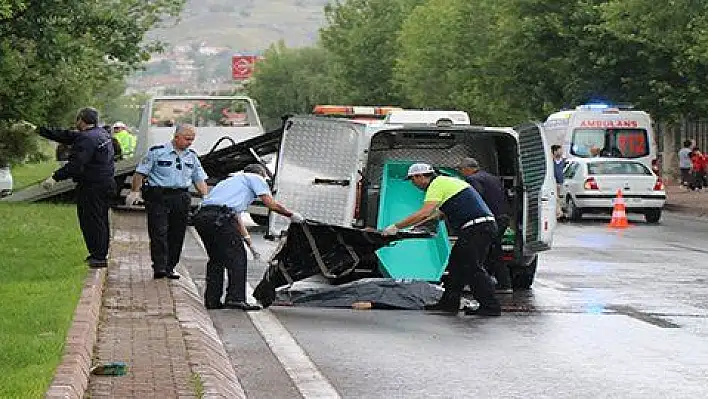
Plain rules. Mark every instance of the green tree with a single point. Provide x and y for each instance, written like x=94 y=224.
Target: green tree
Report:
x=446 y=60
x=58 y=56
x=362 y=37
x=664 y=57
x=550 y=56
x=292 y=81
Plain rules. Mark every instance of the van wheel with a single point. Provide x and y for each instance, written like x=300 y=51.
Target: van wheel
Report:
x=574 y=213
x=522 y=276
x=652 y=216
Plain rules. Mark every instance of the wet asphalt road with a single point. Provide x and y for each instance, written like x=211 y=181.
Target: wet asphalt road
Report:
x=612 y=314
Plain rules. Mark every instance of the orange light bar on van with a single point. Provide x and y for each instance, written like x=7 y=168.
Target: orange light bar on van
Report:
x=350 y=110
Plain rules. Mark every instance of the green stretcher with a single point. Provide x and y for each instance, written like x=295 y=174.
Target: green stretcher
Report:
x=415 y=259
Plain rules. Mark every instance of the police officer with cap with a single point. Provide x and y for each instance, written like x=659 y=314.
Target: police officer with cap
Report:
x=91 y=167
x=169 y=170
x=217 y=223
x=474 y=222
x=491 y=189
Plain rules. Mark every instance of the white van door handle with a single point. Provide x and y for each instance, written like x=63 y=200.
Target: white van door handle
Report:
x=331 y=182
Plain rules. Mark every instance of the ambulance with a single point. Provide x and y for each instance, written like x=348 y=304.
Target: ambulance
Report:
x=603 y=130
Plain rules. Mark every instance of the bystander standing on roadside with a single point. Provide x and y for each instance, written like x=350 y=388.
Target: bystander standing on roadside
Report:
x=685 y=164
x=169 y=170
x=558 y=167
x=90 y=166
x=699 y=164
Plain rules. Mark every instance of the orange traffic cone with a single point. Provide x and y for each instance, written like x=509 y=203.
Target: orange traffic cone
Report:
x=619 y=212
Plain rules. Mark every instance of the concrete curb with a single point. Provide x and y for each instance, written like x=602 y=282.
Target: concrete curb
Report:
x=72 y=375
x=205 y=350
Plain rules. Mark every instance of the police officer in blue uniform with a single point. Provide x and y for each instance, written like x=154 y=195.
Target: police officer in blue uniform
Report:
x=217 y=223
x=91 y=167
x=164 y=175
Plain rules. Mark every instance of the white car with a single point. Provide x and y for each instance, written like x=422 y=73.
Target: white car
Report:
x=590 y=186
x=5 y=181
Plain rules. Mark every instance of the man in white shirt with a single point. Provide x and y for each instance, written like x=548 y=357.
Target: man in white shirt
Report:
x=217 y=223
x=685 y=164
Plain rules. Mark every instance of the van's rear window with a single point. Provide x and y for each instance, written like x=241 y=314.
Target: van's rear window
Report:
x=618 y=168
x=614 y=143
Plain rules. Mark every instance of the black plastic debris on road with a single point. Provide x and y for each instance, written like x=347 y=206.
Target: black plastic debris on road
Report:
x=340 y=254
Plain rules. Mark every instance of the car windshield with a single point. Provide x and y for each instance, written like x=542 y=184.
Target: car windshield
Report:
x=618 y=168
x=614 y=143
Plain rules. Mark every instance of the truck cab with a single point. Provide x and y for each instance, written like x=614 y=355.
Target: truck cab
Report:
x=214 y=117
x=350 y=173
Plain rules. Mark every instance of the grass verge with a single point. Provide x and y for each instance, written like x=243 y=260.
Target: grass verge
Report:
x=28 y=174
x=41 y=276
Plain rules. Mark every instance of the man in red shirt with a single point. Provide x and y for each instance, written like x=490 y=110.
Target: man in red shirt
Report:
x=700 y=164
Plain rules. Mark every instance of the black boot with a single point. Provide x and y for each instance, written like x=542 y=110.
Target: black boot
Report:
x=483 y=293
x=242 y=305
x=483 y=311
x=446 y=304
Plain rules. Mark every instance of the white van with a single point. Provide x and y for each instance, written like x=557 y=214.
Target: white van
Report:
x=601 y=130
x=5 y=181
x=338 y=172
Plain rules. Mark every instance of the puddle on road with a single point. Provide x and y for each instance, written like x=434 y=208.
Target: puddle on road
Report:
x=689 y=248
x=525 y=304
x=643 y=316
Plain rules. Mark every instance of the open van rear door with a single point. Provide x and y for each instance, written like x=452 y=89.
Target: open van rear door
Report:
x=539 y=186
x=317 y=171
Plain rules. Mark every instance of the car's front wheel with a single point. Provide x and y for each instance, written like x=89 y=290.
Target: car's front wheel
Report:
x=652 y=215
x=574 y=213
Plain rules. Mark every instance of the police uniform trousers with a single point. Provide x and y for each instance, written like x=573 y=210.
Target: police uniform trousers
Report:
x=466 y=266
x=92 y=208
x=495 y=264
x=218 y=228
x=167 y=216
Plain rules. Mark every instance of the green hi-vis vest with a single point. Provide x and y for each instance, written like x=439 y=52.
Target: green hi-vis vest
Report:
x=127 y=143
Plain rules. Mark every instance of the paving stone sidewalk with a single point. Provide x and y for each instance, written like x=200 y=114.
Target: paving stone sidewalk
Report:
x=693 y=203
x=158 y=327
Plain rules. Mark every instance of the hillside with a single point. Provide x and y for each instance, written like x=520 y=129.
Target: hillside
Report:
x=246 y=25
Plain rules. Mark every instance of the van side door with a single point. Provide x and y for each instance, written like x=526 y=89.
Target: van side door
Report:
x=539 y=185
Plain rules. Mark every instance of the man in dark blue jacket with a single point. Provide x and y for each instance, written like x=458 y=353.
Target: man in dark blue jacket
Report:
x=491 y=189
x=91 y=167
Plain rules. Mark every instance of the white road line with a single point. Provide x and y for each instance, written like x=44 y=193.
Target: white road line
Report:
x=302 y=371
x=307 y=378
